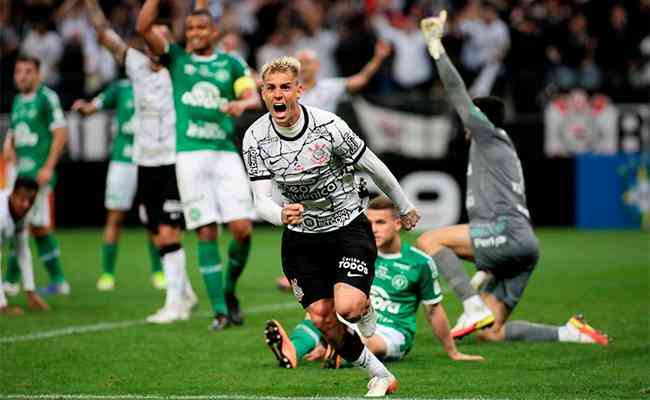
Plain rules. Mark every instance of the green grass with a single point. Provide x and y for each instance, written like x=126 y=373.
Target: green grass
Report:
x=603 y=274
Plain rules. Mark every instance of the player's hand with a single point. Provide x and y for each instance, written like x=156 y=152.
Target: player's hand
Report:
x=234 y=108
x=317 y=354
x=292 y=214
x=410 y=219
x=44 y=176
x=382 y=49
x=81 y=106
x=433 y=28
x=11 y=310
x=458 y=356
x=36 y=302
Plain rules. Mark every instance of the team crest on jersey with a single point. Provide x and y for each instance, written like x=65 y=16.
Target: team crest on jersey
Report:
x=23 y=136
x=297 y=290
x=195 y=214
x=222 y=75
x=189 y=69
x=399 y=282
x=319 y=153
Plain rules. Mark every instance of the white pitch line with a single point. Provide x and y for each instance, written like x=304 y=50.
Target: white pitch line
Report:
x=202 y=397
x=109 y=326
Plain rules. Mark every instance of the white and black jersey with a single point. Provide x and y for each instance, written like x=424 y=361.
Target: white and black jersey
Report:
x=314 y=168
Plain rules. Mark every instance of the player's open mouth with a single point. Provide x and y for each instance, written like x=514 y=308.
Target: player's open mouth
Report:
x=279 y=107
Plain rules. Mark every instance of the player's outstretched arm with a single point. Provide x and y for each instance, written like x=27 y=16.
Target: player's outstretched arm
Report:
x=84 y=107
x=433 y=29
x=146 y=18
x=387 y=182
x=360 y=80
x=439 y=323
x=106 y=36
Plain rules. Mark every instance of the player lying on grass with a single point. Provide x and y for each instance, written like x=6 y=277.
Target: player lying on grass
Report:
x=328 y=250
x=499 y=238
x=404 y=278
x=14 y=207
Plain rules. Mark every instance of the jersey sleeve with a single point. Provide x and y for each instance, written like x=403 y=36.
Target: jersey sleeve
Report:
x=136 y=63
x=107 y=99
x=430 y=291
x=55 y=116
x=346 y=145
x=253 y=158
x=242 y=76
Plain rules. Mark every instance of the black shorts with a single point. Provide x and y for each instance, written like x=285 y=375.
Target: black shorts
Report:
x=314 y=262
x=160 y=203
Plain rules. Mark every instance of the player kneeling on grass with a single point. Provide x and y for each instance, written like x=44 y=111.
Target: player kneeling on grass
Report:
x=404 y=278
x=499 y=238
x=13 y=228
x=328 y=250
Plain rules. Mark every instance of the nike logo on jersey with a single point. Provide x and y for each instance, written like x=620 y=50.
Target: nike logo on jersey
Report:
x=351 y=275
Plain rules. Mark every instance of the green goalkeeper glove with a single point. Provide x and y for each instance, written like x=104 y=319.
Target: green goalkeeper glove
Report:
x=433 y=28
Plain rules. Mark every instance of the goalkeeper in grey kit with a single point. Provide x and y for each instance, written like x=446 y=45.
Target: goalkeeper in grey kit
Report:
x=499 y=238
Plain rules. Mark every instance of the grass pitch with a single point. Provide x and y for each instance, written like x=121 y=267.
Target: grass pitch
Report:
x=96 y=344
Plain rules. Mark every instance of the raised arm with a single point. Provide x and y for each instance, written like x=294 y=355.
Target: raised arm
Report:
x=437 y=318
x=106 y=36
x=146 y=18
x=359 y=80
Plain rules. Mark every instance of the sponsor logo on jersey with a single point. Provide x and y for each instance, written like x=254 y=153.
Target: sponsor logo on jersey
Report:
x=205 y=130
x=189 y=69
x=399 y=282
x=298 y=193
x=23 y=136
x=204 y=95
x=337 y=219
x=222 y=75
x=492 y=241
x=127 y=127
x=251 y=155
x=354 y=266
x=381 y=300
x=297 y=290
x=350 y=140
x=195 y=214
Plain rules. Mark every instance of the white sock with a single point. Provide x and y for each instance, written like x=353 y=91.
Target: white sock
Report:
x=3 y=299
x=473 y=303
x=174 y=266
x=371 y=363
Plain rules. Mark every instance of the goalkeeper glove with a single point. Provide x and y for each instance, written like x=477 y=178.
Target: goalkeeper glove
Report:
x=433 y=29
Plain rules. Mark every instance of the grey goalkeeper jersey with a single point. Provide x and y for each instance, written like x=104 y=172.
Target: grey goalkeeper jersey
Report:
x=495 y=181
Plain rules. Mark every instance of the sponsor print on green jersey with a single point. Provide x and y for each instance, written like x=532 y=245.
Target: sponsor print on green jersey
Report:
x=119 y=96
x=33 y=117
x=403 y=281
x=202 y=86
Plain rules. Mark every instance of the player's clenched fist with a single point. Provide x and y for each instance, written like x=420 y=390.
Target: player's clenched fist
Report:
x=292 y=214
x=410 y=219
x=433 y=28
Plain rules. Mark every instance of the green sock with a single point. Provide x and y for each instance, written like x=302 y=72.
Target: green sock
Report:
x=237 y=256
x=210 y=266
x=305 y=337
x=109 y=256
x=154 y=256
x=13 y=270
x=48 y=251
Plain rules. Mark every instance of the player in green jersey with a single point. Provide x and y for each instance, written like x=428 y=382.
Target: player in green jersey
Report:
x=121 y=179
x=405 y=277
x=210 y=90
x=35 y=142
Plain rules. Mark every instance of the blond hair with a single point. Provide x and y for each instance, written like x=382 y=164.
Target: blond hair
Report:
x=282 y=64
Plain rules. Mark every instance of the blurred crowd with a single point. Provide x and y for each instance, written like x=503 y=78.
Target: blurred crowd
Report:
x=526 y=50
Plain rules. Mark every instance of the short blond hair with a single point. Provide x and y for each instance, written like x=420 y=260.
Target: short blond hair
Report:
x=282 y=64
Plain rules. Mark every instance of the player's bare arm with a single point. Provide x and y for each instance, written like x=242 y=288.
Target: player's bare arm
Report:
x=59 y=139
x=8 y=149
x=148 y=14
x=106 y=36
x=437 y=318
x=362 y=78
x=84 y=107
x=247 y=100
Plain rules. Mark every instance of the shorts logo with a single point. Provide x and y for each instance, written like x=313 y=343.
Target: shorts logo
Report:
x=399 y=282
x=297 y=290
x=492 y=241
x=352 y=264
x=195 y=214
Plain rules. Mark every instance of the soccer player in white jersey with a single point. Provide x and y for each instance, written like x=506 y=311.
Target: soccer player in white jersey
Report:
x=154 y=151
x=405 y=277
x=327 y=93
x=328 y=249
x=499 y=237
x=14 y=206
x=211 y=89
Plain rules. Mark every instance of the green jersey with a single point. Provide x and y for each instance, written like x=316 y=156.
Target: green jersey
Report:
x=202 y=86
x=119 y=96
x=403 y=281
x=33 y=117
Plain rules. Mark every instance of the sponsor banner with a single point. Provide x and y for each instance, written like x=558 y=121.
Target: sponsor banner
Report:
x=412 y=135
x=576 y=124
x=612 y=191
